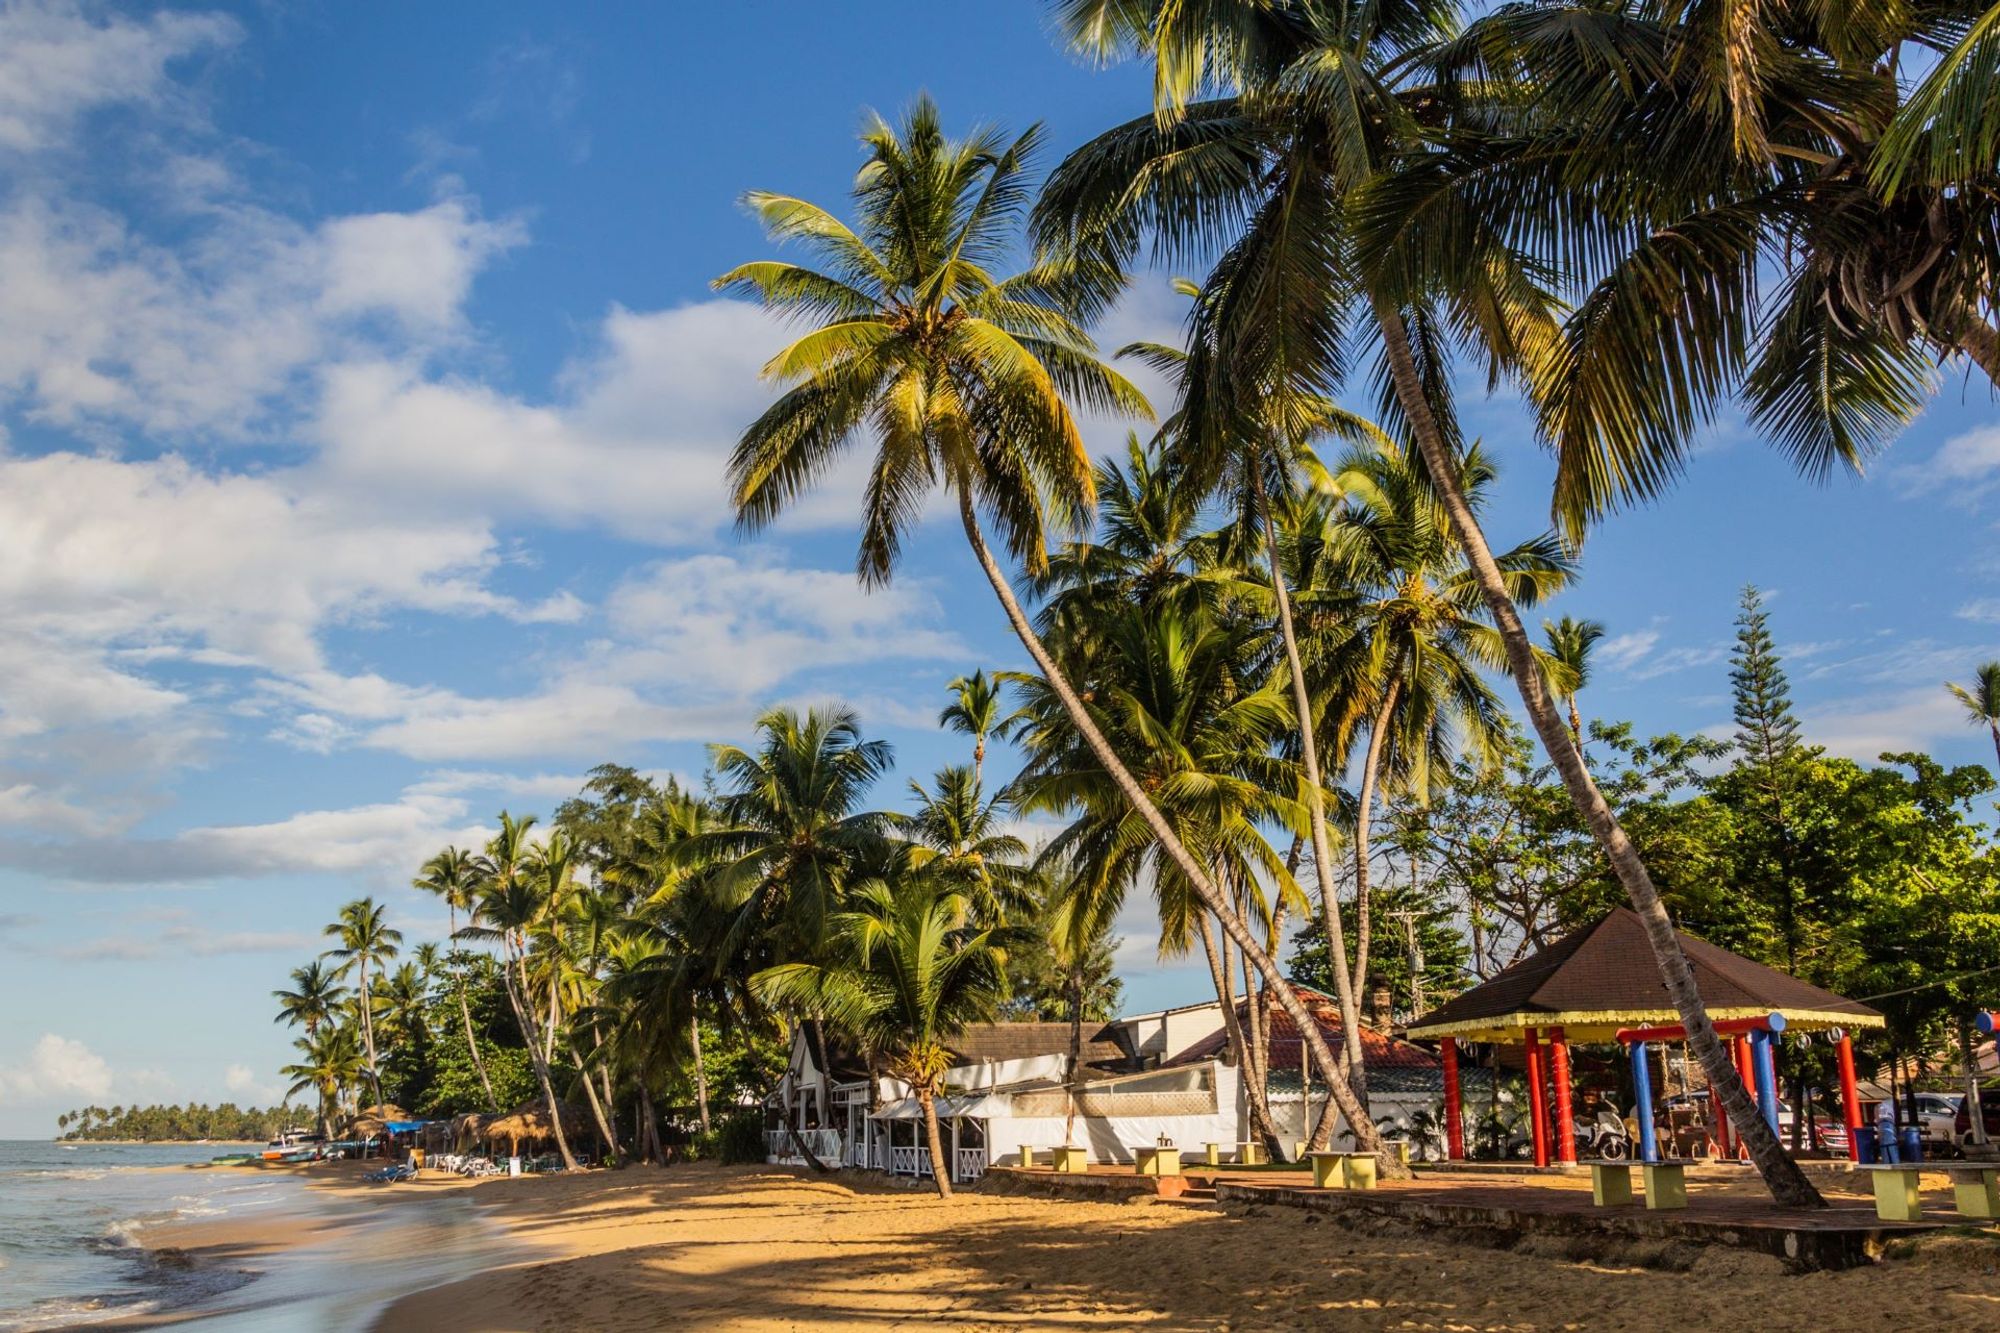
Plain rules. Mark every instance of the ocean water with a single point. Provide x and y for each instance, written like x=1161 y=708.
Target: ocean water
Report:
x=68 y=1214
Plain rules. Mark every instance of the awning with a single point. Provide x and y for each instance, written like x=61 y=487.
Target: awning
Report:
x=405 y=1126
x=977 y=1106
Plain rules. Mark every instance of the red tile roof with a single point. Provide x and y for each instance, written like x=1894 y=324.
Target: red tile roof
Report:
x=1378 y=1050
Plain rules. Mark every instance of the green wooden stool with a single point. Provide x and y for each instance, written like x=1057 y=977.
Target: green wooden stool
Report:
x=1610 y=1183
x=1897 y=1196
x=1976 y=1190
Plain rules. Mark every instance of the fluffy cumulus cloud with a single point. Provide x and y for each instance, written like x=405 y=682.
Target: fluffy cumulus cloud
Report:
x=1964 y=468
x=61 y=60
x=56 y=1067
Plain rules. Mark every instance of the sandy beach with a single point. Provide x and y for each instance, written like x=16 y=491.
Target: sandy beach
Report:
x=762 y=1249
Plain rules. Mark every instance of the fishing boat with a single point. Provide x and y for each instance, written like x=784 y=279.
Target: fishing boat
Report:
x=234 y=1159
x=294 y=1145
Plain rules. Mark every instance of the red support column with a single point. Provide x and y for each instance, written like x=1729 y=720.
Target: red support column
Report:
x=1724 y=1148
x=1454 y=1113
x=1538 y=1120
x=1564 y=1128
x=1850 y=1097
x=1746 y=1071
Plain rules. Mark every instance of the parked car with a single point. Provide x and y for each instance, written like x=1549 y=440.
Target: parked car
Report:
x=1936 y=1116
x=1989 y=1109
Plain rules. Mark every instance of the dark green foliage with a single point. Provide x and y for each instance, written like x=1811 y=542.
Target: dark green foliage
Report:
x=1766 y=731
x=740 y=1137
x=180 y=1124
x=1039 y=983
x=1409 y=923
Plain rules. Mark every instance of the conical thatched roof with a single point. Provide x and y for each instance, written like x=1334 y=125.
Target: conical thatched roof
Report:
x=372 y=1120
x=530 y=1122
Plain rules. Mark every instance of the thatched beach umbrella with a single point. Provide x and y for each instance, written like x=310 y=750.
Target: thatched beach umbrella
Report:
x=530 y=1122
x=468 y=1128
x=372 y=1120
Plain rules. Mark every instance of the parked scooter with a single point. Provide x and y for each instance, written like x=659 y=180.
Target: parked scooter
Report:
x=1603 y=1138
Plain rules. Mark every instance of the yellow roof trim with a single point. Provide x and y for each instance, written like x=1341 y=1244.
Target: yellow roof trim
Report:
x=1603 y=1025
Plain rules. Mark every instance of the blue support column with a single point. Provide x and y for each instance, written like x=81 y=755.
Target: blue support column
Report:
x=1642 y=1092
x=1762 y=1058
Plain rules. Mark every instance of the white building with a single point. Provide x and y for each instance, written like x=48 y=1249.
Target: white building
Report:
x=1147 y=1078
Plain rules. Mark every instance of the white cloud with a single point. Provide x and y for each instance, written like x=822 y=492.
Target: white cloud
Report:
x=242 y=1081
x=1622 y=652
x=57 y=1067
x=60 y=60
x=1865 y=728
x=1638 y=654
x=1965 y=467
x=417 y=267
x=1983 y=610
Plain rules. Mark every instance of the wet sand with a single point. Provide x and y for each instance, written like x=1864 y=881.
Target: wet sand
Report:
x=761 y=1249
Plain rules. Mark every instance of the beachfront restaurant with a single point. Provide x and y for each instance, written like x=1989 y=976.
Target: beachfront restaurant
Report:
x=1600 y=986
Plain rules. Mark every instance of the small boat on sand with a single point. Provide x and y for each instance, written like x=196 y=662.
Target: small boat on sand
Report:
x=235 y=1159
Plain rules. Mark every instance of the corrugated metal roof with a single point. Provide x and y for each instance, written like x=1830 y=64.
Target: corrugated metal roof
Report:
x=1378 y=1050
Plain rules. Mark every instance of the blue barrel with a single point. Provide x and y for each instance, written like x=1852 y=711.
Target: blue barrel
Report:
x=1913 y=1144
x=1867 y=1148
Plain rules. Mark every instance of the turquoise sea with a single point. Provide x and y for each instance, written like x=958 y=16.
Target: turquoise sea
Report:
x=68 y=1213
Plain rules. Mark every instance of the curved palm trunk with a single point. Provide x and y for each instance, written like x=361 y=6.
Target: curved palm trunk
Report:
x=1073 y=1075
x=700 y=1074
x=1782 y=1176
x=465 y=1012
x=940 y=1165
x=1981 y=343
x=1344 y=990
x=524 y=1014
x=1365 y=1133
x=368 y=1032
x=1261 y=1126
x=1994 y=727
x=1364 y=817
x=604 y=1130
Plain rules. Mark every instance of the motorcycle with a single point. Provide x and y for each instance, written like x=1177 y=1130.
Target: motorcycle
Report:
x=1603 y=1138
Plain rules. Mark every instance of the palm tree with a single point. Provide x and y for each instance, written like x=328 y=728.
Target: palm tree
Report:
x=1190 y=699
x=962 y=380
x=1326 y=168
x=1423 y=635
x=955 y=834
x=365 y=939
x=512 y=905
x=976 y=711
x=315 y=996
x=1569 y=643
x=331 y=1060
x=454 y=876
x=789 y=835
x=905 y=976
x=1982 y=702
x=404 y=996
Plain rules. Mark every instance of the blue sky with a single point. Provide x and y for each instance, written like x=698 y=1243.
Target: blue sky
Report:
x=362 y=404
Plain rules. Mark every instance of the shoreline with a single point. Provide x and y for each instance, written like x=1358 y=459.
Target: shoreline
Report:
x=764 y=1248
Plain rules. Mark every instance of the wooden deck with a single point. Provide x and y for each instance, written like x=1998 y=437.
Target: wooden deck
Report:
x=1500 y=1209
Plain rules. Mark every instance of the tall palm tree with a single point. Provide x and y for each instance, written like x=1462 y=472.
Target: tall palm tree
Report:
x=1333 y=174
x=365 y=939
x=789 y=836
x=1982 y=702
x=977 y=709
x=1569 y=643
x=454 y=876
x=1190 y=700
x=513 y=903
x=330 y=1061
x=963 y=381
x=905 y=975
x=404 y=995
x=315 y=997
x=1423 y=635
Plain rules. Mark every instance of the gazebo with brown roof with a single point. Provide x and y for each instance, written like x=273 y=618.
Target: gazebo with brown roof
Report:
x=1601 y=983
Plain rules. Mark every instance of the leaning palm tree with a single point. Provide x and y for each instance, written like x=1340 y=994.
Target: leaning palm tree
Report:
x=977 y=709
x=1343 y=186
x=963 y=380
x=315 y=996
x=905 y=976
x=1982 y=702
x=365 y=940
x=1569 y=643
x=454 y=876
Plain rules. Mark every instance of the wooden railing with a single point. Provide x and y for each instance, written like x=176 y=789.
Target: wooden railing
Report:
x=903 y=1161
x=971 y=1164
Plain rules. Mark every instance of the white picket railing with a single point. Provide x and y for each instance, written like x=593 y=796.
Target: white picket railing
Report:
x=923 y=1162
x=903 y=1161
x=971 y=1164
x=826 y=1144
